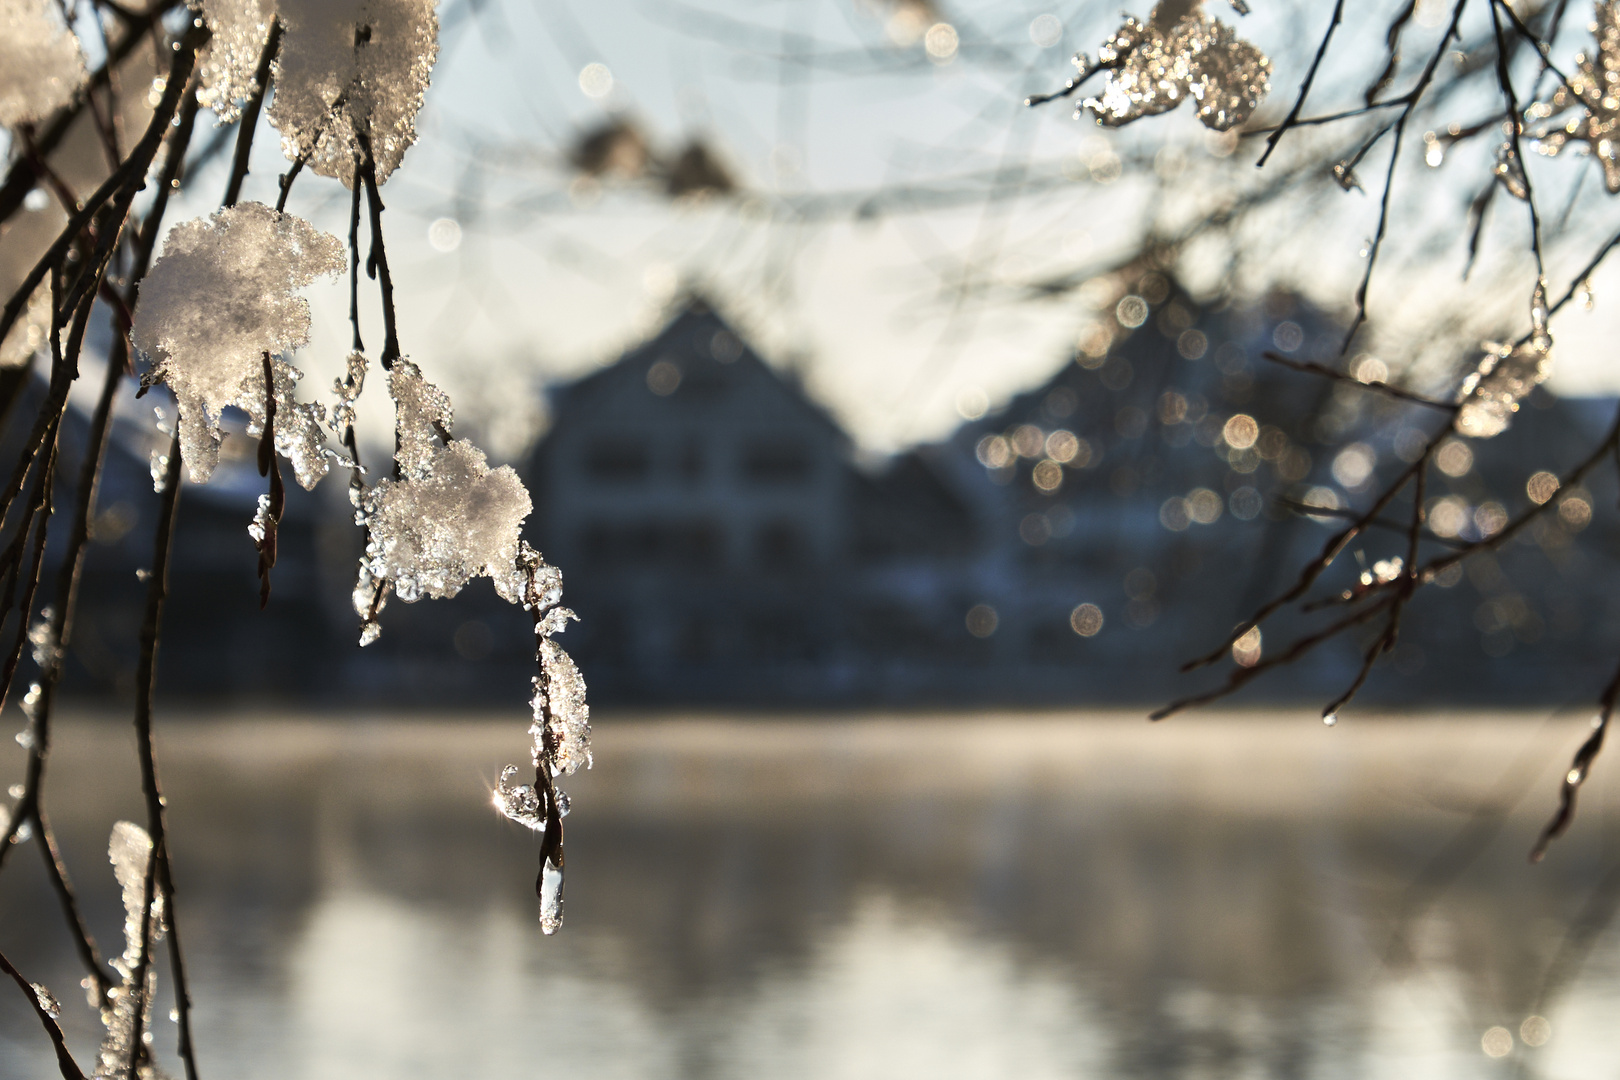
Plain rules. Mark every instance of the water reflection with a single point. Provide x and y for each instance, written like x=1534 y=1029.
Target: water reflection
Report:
x=989 y=897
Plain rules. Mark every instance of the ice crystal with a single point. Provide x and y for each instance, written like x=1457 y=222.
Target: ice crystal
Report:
x=551 y=897
x=218 y=300
x=1509 y=170
x=454 y=520
x=422 y=418
x=41 y=65
x=227 y=70
x=348 y=390
x=369 y=632
x=1594 y=89
x=1179 y=53
x=562 y=720
x=1490 y=395
x=351 y=71
x=47 y=1000
x=130 y=1005
x=42 y=639
x=520 y=802
x=260 y=526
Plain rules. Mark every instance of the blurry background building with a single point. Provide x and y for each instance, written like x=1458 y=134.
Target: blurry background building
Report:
x=722 y=544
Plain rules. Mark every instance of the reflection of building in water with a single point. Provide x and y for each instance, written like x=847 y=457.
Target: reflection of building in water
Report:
x=720 y=543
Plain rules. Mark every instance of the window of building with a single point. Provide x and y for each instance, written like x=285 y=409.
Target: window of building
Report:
x=780 y=546
x=663 y=545
x=618 y=460
x=776 y=462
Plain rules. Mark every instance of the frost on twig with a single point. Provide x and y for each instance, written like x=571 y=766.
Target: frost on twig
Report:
x=1594 y=89
x=41 y=65
x=561 y=730
x=228 y=70
x=219 y=299
x=1179 y=53
x=129 y=1009
x=351 y=71
x=1490 y=395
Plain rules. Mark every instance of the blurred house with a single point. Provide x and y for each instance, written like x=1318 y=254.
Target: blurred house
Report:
x=721 y=544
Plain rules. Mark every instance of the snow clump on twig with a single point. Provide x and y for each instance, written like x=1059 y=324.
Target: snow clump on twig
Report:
x=352 y=72
x=218 y=300
x=448 y=517
x=228 y=70
x=41 y=65
x=1179 y=53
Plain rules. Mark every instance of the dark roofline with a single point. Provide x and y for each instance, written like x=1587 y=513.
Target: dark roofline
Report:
x=692 y=305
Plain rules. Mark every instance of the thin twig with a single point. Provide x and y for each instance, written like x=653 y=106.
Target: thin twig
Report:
x=145 y=679
x=1515 y=132
x=1413 y=97
x=64 y=1059
x=1305 y=87
x=1310 y=367
x=377 y=260
x=250 y=114
x=1579 y=769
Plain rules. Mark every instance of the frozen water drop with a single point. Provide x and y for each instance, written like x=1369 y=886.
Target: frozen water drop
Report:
x=369 y=633
x=25 y=738
x=1330 y=719
x=16 y=791
x=551 y=897
x=47 y=1001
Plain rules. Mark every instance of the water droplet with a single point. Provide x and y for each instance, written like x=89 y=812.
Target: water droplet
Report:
x=562 y=804
x=16 y=791
x=1330 y=719
x=25 y=738
x=174 y=1016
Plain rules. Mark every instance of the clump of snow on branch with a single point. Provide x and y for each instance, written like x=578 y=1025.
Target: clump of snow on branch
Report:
x=352 y=71
x=447 y=517
x=457 y=520
x=228 y=68
x=1490 y=395
x=129 y=1005
x=218 y=300
x=423 y=417
x=1178 y=54
x=1594 y=89
x=41 y=65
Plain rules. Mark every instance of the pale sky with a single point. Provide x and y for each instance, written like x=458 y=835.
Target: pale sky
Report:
x=812 y=106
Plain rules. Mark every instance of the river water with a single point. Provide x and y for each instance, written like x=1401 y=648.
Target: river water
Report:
x=1020 y=896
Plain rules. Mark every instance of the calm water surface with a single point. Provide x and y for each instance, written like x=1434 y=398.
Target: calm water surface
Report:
x=994 y=896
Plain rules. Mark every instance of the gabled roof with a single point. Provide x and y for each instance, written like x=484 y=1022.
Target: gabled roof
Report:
x=708 y=353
